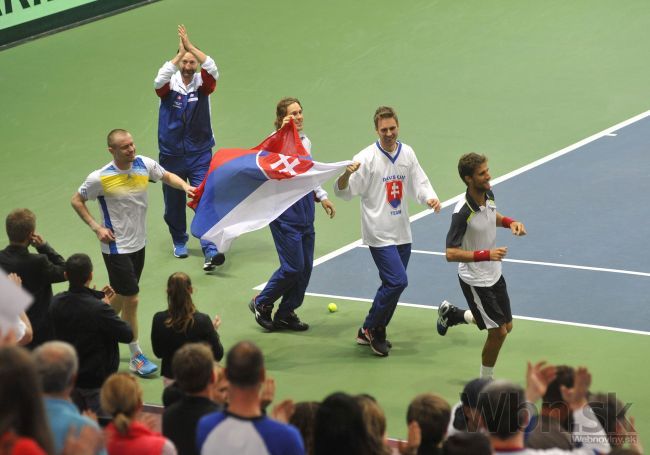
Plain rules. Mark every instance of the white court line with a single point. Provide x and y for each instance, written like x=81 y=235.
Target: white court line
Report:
x=525 y=318
x=548 y=264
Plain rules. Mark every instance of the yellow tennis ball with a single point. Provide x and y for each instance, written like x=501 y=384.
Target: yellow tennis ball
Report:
x=332 y=307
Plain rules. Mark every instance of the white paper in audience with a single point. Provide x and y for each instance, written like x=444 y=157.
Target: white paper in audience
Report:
x=13 y=301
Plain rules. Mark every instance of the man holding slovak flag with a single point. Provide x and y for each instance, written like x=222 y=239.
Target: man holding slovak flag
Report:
x=274 y=183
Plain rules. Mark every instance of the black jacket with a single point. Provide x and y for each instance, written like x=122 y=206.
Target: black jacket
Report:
x=37 y=272
x=81 y=318
x=165 y=340
x=179 y=422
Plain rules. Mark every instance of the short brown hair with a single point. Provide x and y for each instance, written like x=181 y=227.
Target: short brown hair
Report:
x=112 y=134
x=385 y=112
x=20 y=225
x=468 y=163
x=432 y=413
x=281 y=110
x=193 y=365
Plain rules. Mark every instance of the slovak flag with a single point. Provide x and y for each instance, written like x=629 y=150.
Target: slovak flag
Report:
x=245 y=189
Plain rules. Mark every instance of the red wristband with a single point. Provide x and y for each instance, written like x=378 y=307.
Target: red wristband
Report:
x=481 y=255
x=506 y=222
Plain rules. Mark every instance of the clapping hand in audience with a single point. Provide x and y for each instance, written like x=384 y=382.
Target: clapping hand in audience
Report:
x=88 y=441
x=413 y=441
x=283 y=411
x=109 y=293
x=538 y=377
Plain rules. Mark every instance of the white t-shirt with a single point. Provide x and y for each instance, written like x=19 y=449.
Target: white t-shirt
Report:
x=122 y=197
x=383 y=181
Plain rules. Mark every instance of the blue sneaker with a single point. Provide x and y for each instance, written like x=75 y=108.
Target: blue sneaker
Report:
x=141 y=366
x=180 y=250
x=212 y=260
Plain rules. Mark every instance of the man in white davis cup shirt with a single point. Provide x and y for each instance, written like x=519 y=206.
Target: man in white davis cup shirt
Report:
x=120 y=188
x=383 y=175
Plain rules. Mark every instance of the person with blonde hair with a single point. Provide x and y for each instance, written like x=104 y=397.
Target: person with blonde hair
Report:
x=181 y=324
x=121 y=397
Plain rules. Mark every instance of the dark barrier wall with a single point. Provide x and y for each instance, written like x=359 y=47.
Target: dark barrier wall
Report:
x=21 y=20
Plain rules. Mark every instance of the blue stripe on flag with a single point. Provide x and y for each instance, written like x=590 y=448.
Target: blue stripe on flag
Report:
x=226 y=187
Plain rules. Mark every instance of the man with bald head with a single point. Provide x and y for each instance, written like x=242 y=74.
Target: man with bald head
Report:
x=258 y=433
x=120 y=188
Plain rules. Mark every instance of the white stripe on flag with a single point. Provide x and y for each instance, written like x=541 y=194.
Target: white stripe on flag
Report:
x=268 y=202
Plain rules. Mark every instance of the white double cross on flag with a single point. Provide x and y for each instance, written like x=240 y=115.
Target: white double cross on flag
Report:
x=395 y=190
x=288 y=166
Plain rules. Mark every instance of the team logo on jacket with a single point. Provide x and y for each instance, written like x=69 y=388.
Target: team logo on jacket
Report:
x=279 y=166
x=394 y=193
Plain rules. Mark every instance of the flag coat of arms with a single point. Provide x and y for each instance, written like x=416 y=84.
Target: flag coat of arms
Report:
x=394 y=192
x=245 y=189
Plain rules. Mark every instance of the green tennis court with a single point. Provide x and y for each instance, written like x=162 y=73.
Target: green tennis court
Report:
x=516 y=80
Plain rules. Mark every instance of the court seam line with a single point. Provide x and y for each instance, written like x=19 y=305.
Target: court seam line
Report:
x=549 y=264
x=495 y=181
x=525 y=318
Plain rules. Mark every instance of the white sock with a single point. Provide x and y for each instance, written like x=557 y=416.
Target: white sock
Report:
x=134 y=347
x=468 y=317
x=487 y=372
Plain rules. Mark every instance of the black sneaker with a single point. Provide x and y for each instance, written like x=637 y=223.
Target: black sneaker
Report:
x=262 y=314
x=377 y=337
x=213 y=260
x=448 y=316
x=289 y=322
x=363 y=340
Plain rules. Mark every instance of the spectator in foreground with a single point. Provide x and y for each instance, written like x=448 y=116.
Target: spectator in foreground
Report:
x=504 y=416
x=463 y=443
x=432 y=413
x=37 y=271
x=83 y=317
x=121 y=397
x=341 y=429
x=193 y=367
x=57 y=366
x=257 y=433
x=23 y=422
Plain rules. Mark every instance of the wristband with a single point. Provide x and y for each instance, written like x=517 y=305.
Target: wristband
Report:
x=481 y=255
x=506 y=222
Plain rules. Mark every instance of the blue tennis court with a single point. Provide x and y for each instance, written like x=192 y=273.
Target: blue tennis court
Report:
x=584 y=260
